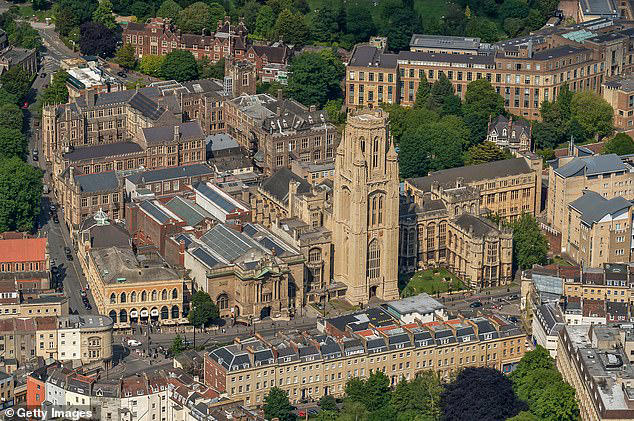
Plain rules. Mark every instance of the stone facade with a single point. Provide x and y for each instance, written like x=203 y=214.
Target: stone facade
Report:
x=365 y=214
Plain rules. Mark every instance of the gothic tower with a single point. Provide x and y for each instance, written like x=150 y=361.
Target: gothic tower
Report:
x=366 y=205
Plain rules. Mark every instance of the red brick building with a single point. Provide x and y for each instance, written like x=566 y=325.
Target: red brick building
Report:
x=23 y=255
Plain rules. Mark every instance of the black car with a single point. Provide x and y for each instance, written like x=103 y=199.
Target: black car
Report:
x=54 y=269
x=55 y=218
x=68 y=252
x=475 y=304
x=122 y=74
x=52 y=209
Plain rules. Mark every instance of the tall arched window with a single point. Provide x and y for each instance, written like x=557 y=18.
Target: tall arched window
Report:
x=375 y=153
x=164 y=294
x=362 y=142
x=374 y=260
x=133 y=296
x=380 y=212
x=123 y=298
x=113 y=298
x=143 y=296
x=154 y=295
x=345 y=204
x=314 y=255
x=373 y=207
x=222 y=302
x=174 y=294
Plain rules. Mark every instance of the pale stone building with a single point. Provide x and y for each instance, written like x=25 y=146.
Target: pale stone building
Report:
x=366 y=206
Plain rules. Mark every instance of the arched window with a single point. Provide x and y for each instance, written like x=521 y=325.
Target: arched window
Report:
x=503 y=132
x=143 y=296
x=133 y=297
x=113 y=316
x=164 y=294
x=362 y=142
x=154 y=295
x=456 y=210
x=374 y=260
x=375 y=153
x=345 y=204
x=380 y=209
x=314 y=255
x=222 y=302
x=175 y=312
x=373 y=207
x=165 y=313
x=123 y=298
x=123 y=316
x=174 y=294
x=113 y=298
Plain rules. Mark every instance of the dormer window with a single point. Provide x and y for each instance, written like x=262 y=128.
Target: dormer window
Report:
x=513 y=134
x=503 y=132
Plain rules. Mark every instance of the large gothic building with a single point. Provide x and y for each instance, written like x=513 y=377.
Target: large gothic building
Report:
x=366 y=202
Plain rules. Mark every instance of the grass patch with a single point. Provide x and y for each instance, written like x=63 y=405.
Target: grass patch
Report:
x=26 y=12
x=432 y=281
x=558 y=260
x=431 y=9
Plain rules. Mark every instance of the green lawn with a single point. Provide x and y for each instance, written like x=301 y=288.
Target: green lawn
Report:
x=27 y=12
x=432 y=281
x=431 y=9
x=560 y=261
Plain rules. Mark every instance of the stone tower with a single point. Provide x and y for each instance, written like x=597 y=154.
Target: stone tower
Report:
x=240 y=77
x=366 y=206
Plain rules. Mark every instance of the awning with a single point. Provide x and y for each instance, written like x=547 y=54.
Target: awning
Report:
x=154 y=312
x=134 y=313
x=144 y=313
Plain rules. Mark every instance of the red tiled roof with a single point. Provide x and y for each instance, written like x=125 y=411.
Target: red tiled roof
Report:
x=23 y=250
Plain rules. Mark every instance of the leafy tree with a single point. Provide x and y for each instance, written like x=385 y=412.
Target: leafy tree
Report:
x=96 y=39
x=197 y=17
x=480 y=393
x=546 y=154
x=7 y=97
x=207 y=69
x=333 y=108
x=65 y=20
x=547 y=135
x=324 y=23
x=480 y=104
x=12 y=143
x=277 y=405
x=103 y=15
x=593 y=113
x=125 y=56
x=485 y=152
x=264 y=22
x=422 y=93
x=141 y=10
x=621 y=144
x=40 y=4
x=513 y=26
x=56 y=93
x=11 y=116
x=16 y=81
x=204 y=310
x=249 y=12
x=419 y=397
x=315 y=77
x=523 y=416
x=353 y=411
x=79 y=11
x=178 y=345
x=529 y=243
x=374 y=392
x=513 y=9
x=169 y=9
x=20 y=194
x=179 y=65
x=441 y=95
x=25 y=36
x=359 y=21
x=151 y=64
x=328 y=403
x=398 y=23
x=291 y=28
x=279 y=5
x=483 y=28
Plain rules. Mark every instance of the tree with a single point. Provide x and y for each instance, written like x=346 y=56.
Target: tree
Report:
x=333 y=108
x=204 y=310
x=25 y=36
x=6 y=97
x=621 y=144
x=529 y=243
x=483 y=28
x=125 y=56
x=151 y=64
x=486 y=152
x=441 y=94
x=421 y=396
x=70 y=14
x=40 y=4
x=397 y=22
x=422 y=93
x=328 y=403
x=56 y=93
x=324 y=23
x=179 y=65
x=207 y=69
x=11 y=116
x=359 y=22
x=315 y=77
x=178 y=345
x=481 y=103
x=513 y=26
x=103 y=15
x=523 y=416
x=141 y=10
x=264 y=22
x=200 y=16
x=16 y=81
x=513 y=9
x=373 y=392
x=249 y=12
x=353 y=411
x=12 y=143
x=95 y=39
x=169 y=9
x=291 y=28
x=480 y=393
x=277 y=405
x=592 y=113
x=20 y=194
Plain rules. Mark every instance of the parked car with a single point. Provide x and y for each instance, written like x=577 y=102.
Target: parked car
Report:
x=133 y=342
x=52 y=209
x=25 y=105
x=475 y=304
x=55 y=218
x=122 y=74
x=68 y=252
x=35 y=154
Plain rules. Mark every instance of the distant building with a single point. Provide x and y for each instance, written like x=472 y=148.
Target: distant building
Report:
x=11 y=56
x=515 y=134
x=419 y=308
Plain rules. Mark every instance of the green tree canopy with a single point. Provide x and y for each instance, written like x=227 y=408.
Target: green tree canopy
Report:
x=199 y=16
x=324 y=23
x=12 y=143
x=169 y=9
x=481 y=103
x=16 y=81
x=179 y=65
x=529 y=243
x=25 y=36
x=442 y=98
x=125 y=56
x=264 y=22
x=277 y=405
x=20 y=194
x=621 y=144
x=328 y=403
x=422 y=93
x=333 y=108
x=204 y=311
x=315 y=77
x=486 y=152
x=374 y=392
x=11 y=116
x=397 y=22
x=359 y=21
x=592 y=113
x=177 y=346
x=151 y=64
x=419 y=397
x=56 y=93
x=207 y=69
x=103 y=14
x=291 y=28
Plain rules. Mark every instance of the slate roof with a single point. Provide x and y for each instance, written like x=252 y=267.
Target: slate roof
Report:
x=146 y=106
x=98 y=151
x=171 y=173
x=277 y=184
x=220 y=141
x=277 y=54
x=473 y=173
x=592 y=165
x=187 y=131
x=97 y=183
x=104 y=236
x=480 y=226
x=594 y=207
x=188 y=210
x=364 y=55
